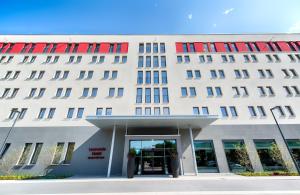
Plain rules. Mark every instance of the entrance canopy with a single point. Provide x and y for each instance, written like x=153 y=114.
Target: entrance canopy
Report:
x=178 y=121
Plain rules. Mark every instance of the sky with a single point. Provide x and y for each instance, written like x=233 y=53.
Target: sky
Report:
x=149 y=16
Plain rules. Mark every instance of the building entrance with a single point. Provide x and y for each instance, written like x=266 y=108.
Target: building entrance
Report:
x=153 y=155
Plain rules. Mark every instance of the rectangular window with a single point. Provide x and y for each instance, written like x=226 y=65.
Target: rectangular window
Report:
x=25 y=154
x=42 y=113
x=179 y=59
x=162 y=48
x=246 y=58
x=164 y=78
x=85 y=92
x=117 y=59
x=237 y=156
x=213 y=74
x=99 y=111
x=252 y=111
x=139 y=95
x=218 y=91
x=196 y=111
x=189 y=74
x=147 y=111
x=70 y=113
x=237 y=74
x=111 y=92
x=68 y=92
x=156 y=77
x=163 y=62
x=187 y=59
x=155 y=47
x=114 y=74
x=94 y=92
x=148 y=61
x=140 y=77
x=148 y=95
x=148 y=47
x=138 y=111
x=269 y=154
x=141 y=48
x=141 y=62
x=185 y=48
x=261 y=111
x=69 y=153
x=51 y=113
x=120 y=92
x=290 y=111
x=4 y=150
x=148 y=77
x=36 y=153
x=124 y=59
x=156 y=111
x=197 y=74
x=165 y=95
x=202 y=59
x=80 y=112
x=106 y=74
x=221 y=74
x=166 y=111
x=155 y=61
x=205 y=156
x=209 y=91
x=156 y=95
x=233 y=111
x=184 y=92
x=108 y=111
x=205 y=110
x=294 y=147
x=224 y=111
x=193 y=92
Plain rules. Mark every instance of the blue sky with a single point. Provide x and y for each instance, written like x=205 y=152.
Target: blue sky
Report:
x=148 y=16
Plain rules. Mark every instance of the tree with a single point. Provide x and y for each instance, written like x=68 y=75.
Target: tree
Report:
x=275 y=154
x=8 y=162
x=242 y=156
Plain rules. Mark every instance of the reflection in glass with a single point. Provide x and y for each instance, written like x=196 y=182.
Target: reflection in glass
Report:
x=237 y=156
x=205 y=157
x=269 y=155
x=153 y=156
x=294 y=146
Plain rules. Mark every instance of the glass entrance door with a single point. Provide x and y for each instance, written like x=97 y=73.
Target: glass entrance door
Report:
x=153 y=156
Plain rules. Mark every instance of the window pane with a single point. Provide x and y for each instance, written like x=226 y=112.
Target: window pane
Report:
x=205 y=157
x=69 y=153
x=36 y=153
x=25 y=154
x=237 y=156
x=269 y=154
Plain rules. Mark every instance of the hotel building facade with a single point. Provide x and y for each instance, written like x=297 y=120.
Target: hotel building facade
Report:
x=76 y=104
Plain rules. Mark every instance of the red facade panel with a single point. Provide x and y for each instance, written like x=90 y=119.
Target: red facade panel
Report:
x=115 y=48
x=220 y=47
x=262 y=46
x=104 y=48
x=283 y=46
x=61 y=47
x=82 y=48
x=198 y=47
x=17 y=48
x=179 y=48
x=124 y=47
x=241 y=46
x=5 y=48
x=39 y=48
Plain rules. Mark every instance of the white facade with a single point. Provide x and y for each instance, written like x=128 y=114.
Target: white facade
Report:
x=79 y=130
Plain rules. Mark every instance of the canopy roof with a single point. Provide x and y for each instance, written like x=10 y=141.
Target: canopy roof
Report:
x=178 y=121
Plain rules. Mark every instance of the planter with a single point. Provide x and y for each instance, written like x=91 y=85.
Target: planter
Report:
x=131 y=163
x=174 y=164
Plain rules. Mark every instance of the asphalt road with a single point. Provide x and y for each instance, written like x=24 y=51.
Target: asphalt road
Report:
x=85 y=186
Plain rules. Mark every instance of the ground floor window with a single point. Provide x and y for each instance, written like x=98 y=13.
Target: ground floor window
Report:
x=237 y=156
x=294 y=146
x=205 y=156
x=69 y=153
x=25 y=154
x=153 y=156
x=269 y=155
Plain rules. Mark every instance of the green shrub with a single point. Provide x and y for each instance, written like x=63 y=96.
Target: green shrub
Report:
x=269 y=173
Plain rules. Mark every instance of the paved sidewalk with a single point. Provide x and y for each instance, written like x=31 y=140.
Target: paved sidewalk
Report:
x=210 y=184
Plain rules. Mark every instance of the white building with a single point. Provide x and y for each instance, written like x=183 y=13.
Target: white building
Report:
x=85 y=100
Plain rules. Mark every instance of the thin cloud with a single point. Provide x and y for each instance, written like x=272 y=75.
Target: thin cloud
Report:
x=228 y=11
x=295 y=28
x=190 y=16
x=215 y=25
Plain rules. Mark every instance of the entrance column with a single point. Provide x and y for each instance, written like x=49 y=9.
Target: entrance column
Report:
x=111 y=150
x=193 y=151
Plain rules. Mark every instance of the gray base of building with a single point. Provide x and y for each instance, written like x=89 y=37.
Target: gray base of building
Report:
x=88 y=139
